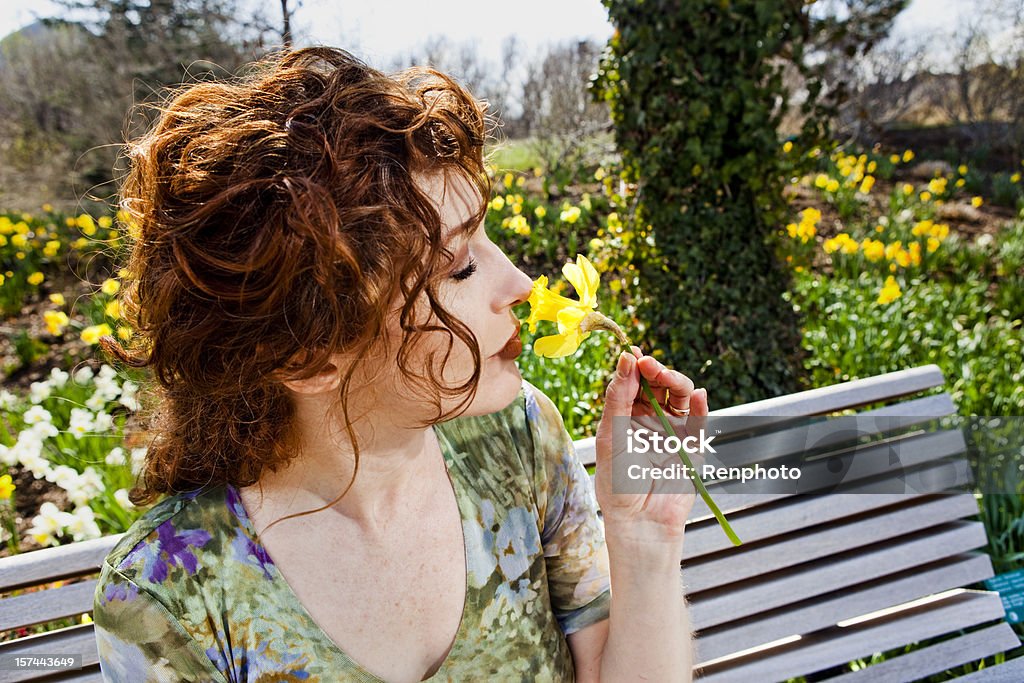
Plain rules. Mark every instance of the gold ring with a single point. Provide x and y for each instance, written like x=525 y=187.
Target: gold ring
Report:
x=677 y=411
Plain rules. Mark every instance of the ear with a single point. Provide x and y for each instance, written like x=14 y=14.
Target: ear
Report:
x=327 y=380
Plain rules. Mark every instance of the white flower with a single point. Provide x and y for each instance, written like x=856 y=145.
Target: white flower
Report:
x=128 y=399
x=103 y=422
x=80 y=423
x=138 y=459
x=58 y=378
x=8 y=456
x=984 y=240
x=115 y=456
x=63 y=476
x=44 y=430
x=107 y=372
x=83 y=375
x=7 y=400
x=883 y=220
x=49 y=523
x=35 y=463
x=82 y=524
x=97 y=401
x=38 y=392
x=37 y=414
x=91 y=480
x=905 y=216
x=121 y=496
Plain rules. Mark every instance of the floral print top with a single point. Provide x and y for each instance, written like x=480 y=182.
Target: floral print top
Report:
x=190 y=593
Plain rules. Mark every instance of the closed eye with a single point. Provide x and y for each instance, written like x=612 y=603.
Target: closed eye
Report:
x=465 y=272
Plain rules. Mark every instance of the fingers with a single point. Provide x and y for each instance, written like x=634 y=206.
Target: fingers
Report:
x=623 y=388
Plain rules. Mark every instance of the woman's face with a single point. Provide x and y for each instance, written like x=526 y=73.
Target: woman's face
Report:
x=480 y=290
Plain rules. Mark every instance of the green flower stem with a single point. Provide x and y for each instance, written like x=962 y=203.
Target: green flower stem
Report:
x=689 y=465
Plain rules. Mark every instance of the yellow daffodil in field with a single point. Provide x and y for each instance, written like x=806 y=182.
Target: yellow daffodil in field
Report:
x=894 y=159
x=961 y=169
x=540 y=212
x=112 y=309
x=976 y=202
x=92 y=334
x=56 y=321
x=57 y=298
x=110 y=286
x=908 y=189
x=832 y=185
x=867 y=184
x=124 y=333
x=6 y=487
x=1015 y=178
x=570 y=215
x=35 y=278
x=576 y=320
x=509 y=179
x=787 y=147
x=908 y=156
x=498 y=203
x=86 y=224
x=890 y=291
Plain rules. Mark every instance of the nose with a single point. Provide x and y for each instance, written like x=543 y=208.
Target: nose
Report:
x=521 y=287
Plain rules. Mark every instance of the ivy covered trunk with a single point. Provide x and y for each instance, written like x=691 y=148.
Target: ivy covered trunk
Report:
x=696 y=95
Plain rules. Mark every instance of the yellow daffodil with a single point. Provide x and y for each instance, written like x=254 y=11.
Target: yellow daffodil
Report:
x=110 y=286
x=92 y=334
x=908 y=189
x=867 y=184
x=890 y=291
x=56 y=321
x=976 y=202
x=787 y=147
x=570 y=215
x=35 y=278
x=894 y=159
x=547 y=305
x=6 y=487
x=498 y=203
x=540 y=212
x=961 y=169
x=908 y=156
x=57 y=298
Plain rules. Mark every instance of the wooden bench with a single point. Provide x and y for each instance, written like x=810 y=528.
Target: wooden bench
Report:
x=800 y=597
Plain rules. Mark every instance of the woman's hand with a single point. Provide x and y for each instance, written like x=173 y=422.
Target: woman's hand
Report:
x=657 y=515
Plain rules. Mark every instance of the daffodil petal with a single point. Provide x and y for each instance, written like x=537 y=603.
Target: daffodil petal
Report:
x=570 y=317
x=591 y=278
x=559 y=345
x=545 y=304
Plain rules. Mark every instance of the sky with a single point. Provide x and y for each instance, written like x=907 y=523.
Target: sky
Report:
x=380 y=31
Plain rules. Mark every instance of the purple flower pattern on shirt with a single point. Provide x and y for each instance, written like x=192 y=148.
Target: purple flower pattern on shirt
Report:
x=172 y=548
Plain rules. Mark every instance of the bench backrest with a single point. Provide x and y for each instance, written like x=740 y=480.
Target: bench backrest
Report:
x=820 y=580
x=824 y=579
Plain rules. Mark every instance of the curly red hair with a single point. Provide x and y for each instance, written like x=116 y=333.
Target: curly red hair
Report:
x=276 y=219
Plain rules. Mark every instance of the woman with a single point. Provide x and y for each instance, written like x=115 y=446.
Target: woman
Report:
x=310 y=244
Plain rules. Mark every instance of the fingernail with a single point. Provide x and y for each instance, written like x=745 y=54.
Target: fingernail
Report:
x=625 y=365
x=636 y=351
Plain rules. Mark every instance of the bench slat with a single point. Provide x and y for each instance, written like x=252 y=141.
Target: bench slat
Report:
x=789 y=516
x=935 y=659
x=47 y=605
x=926 y=407
x=52 y=564
x=823 y=611
x=830 y=539
x=842 y=396
x=1007 y=672
x=769 y=592
x=837 y=645
x=74 y=640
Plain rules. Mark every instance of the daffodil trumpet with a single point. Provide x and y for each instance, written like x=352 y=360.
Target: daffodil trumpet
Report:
x=576 y=320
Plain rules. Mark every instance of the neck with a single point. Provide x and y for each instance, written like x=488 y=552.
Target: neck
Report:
x=398 y=465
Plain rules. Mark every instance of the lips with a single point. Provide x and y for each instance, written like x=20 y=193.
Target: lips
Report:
x=513 y=347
